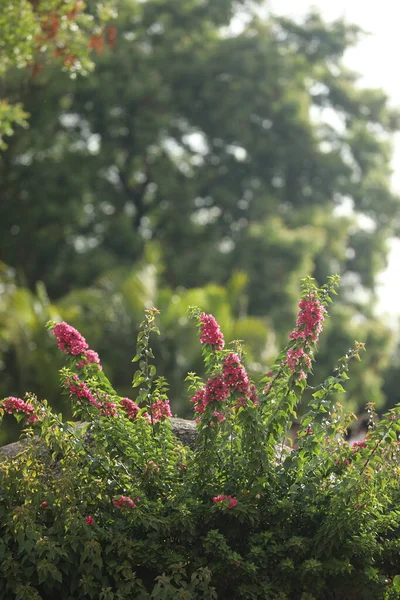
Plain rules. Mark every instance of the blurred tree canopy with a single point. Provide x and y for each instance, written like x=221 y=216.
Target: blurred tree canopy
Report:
x=32 y=32
x=211 y=159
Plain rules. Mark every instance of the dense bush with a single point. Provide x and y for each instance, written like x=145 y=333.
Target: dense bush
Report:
x=120 y=509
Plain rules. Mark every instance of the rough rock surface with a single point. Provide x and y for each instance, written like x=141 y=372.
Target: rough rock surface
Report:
x=184 y=430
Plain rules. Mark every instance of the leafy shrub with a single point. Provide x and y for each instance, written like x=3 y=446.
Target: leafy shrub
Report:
x=118 y=508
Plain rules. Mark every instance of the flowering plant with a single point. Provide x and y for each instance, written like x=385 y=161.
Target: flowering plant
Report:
x=119 y=508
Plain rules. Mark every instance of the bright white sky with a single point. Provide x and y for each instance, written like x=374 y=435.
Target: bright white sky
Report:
x=376 y=59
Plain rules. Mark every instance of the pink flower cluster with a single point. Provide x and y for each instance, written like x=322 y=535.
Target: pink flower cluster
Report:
x=210 y=332
x=89 y=520
x=69 y=340
x=232 y=501
x=151 y=468
x=236 y=377
x=235 y=374
x=216 y=389
x=89 y=356
x=81 y=391
x=308 y=328
x=309 y=320
x=295 y=358
x=108 y=408
x=125 y=502
x=13 y=404
x=357 y=445
x=161 y=410
x=33 y=419
x=233 y=379
x=130 y=407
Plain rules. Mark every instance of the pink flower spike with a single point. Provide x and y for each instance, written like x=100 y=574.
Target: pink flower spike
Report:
x=210 y=332
x=69 y=340
x=199 y=401
x=89 y=520
x=309 y=320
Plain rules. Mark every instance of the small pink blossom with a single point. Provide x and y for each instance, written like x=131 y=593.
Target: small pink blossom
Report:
x=241 y=402
x=210 y=332
x=125 y=502
x=220 y=416
x=13 y=404
x=357 y=445
x=360 y=444
x=161 y=410
x=199 y=401
x=232 y=501
x=89 y=357
x=130 y=407
x=267 y=387
x=254 y=394
x=69 y=340
x=80 y=390
x=293 y=358
x=151 y=467
x=89 y=520
x=43 y=505
x=108 y=409
x=33 y=419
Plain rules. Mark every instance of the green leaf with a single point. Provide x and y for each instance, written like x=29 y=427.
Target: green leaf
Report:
x=396 y=583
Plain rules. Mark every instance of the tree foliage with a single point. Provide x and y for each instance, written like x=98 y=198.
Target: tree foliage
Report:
x=32 y=32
